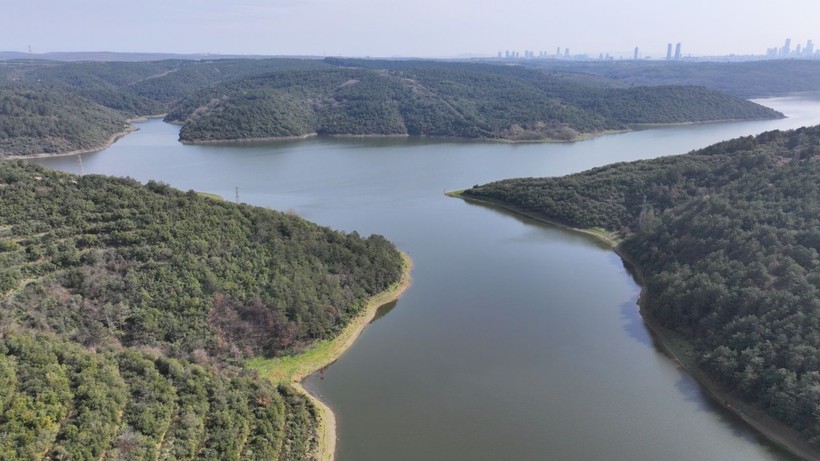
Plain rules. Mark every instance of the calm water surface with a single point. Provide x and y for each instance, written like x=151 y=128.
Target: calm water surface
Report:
x=517 y=340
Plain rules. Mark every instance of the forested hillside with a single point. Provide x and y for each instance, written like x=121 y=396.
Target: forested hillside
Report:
x=753 y=79
x=231 y=99
x=668 y=104
x=141 y=88
x=127 y=311
x=727 y=240
x=57 y=107
x=58 y=400
x=423 y=98
x=45 y=121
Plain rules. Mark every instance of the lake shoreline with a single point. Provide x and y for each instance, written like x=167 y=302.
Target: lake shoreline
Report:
x=114 y=138
x=608 y=239
x=482 y=259
x=681 y=352
x=267 y=139
x=128 y=129
x=677 y=348
x=293 y=370
x=645 y=125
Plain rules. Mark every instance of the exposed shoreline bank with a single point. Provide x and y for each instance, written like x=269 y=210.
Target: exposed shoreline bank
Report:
x=678 y=348
x=266 y=139
x=293 y=370
x=228 y=142
x=608 y=239
x=261 y=140
x=130 y=128
x=114 y=138
x=682 y=353
x=644 y=125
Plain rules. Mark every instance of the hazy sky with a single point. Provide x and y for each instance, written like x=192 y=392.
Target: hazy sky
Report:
x=424 y=28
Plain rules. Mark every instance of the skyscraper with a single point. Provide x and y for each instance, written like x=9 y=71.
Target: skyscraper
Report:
x=809 y=47
x=668 y=51
x=787 y=48
x=677 y=52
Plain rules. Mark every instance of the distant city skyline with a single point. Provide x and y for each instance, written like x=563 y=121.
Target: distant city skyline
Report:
x=421 y=28
x=785 y=51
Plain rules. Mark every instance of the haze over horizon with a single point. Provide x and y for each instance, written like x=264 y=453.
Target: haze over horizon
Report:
x=423 y=28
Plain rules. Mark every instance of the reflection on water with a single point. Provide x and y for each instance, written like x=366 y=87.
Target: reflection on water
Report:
x=383 y=310
x=634 y=326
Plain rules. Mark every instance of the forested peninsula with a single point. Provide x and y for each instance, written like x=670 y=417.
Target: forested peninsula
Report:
x=241 y=99
x=726 y=241
x=128 y=313
x=54 y=122
x=441 y=99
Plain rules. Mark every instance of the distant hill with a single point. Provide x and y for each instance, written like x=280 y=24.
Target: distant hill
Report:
x=424 y=98
x=140 y=88
x=753 y=79
x=231 y=99
x=727 y=240
x=103 y=56
x=127 y=311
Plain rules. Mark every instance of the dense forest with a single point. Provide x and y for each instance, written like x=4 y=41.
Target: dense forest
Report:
x=57 y=107
x=425 y=98
x=753 y=79
x=33 y=122
x=231 y=99
x=726 y=239
x=127 y=312
x=140 y=88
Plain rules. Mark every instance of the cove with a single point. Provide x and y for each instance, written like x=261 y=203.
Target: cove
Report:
x=517 y=340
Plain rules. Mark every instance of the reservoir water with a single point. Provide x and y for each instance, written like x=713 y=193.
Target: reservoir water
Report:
x=517 y=340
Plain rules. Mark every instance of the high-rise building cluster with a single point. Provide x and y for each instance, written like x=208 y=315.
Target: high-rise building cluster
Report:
x=530 y=54
x=564 y=53
x=676 y=56
x=673 y=53
x=799 y=51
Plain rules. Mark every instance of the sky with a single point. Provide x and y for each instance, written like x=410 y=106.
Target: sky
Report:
x=417 y=28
